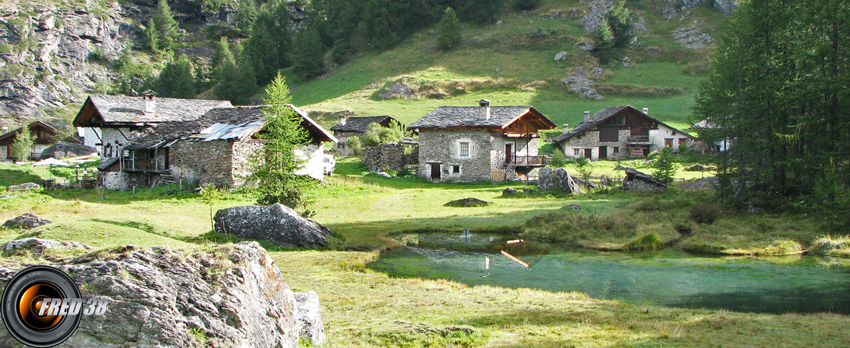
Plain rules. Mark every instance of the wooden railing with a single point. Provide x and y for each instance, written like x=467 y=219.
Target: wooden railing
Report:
x=639 y=139
x=527 y=160
x=142 y=165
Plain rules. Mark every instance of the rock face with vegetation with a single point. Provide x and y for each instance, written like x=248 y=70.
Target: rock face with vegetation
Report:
x=276 y=223
x=467 y=202
x=227 y=296
x=638 y=181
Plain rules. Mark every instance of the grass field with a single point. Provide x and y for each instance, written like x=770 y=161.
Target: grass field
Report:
x=515 y=57
x=364 y=308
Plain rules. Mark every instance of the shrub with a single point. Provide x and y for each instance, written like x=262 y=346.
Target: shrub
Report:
x=705 y=213
x=832 y=246
x=354 y=144
x=648 y=241
x=525 y=5
x=557 y=160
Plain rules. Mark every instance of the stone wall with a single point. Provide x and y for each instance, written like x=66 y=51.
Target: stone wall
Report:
x=340 y=146
x=575 y=146
x=241 y=159
x=203 y=161
x=443 y=148
x=389 y=156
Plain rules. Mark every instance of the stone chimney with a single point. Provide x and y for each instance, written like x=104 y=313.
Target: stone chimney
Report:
x=586 y=116
x=566 y=128
x=646 y=111
x=485 y=109
x=149 y=103
x=342 y=119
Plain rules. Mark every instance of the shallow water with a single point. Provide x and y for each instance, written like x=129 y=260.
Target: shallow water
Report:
x=669 y=277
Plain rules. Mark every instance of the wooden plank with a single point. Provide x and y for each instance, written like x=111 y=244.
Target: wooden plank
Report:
x=516 y=259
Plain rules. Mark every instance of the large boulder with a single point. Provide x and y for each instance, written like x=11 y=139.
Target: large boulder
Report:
x=226 y=296
x=467 y=202
x=26 y=221
x=276 y=223
x=565 y=182
x=638 y=181
x=64 y=149
x=544 y=182
x=310 y=318
x=23 y=187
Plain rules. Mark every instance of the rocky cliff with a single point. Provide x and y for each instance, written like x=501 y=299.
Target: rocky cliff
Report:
x=227 y=296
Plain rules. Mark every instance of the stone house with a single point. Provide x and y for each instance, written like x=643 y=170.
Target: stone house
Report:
x=43 y=136
x=215 y=148
x=355 y=126
x=619 y=132
x=107 y=122
x=704 y=131
x=483 y=143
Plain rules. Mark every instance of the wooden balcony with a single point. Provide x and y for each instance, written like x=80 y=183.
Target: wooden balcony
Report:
x=639 y=140
x=526 y=161
x=143 y=166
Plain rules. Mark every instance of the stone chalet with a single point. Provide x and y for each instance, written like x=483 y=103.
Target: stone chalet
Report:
x=211 y=148
x=619 y=132
x=43 y=136
x=468 y=143
x=355 y=126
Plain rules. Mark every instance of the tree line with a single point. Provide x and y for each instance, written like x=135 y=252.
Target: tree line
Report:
x=779 y=91
x=266 y=38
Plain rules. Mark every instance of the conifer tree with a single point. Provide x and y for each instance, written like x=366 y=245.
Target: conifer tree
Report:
x=222 y=54
x=274 y=166
x=236 y=82
x=22 y=146
x=165 y=26
x=246 y=16
x=620 y=22
x=309 y=56
x=449 y=29
x=152 y=36
x=603 y=43
x=176 y=80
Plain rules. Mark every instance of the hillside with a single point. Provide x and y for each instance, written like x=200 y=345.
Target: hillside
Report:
x=55 y=52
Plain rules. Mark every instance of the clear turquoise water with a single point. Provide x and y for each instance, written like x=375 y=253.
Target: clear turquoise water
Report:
x=669 y=277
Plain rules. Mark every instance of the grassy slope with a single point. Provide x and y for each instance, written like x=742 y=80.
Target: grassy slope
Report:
x=507 y=52
x=363 y=308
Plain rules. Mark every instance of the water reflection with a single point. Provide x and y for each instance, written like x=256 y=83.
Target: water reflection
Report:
x=669 y=277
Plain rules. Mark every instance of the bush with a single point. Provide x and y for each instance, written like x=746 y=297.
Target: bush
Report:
x=706 y=213
x=525 y=5
x=648 y=241
x=557 y=160
x=354 y=144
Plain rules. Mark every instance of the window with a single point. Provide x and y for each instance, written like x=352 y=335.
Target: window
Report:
x=464 y=149
x=576 y=152
x=616 y=149
x=620 y=121
x=681 y=141
x=668 y=142
x=456 y=169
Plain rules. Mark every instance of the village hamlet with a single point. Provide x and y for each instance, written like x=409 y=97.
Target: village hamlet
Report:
x=424 y=174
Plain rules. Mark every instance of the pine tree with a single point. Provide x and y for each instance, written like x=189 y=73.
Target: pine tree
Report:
x=665 y=168
x=245 y=16
x=176 y=80
x=449 y=29
x=152 y=36
x=620 y=22
x=22 y=146
x=165 y=26
x=481 y=11
x=309 y=56
x=273 y=167
x=221 y=54
x=603 y=43
x=236 y=82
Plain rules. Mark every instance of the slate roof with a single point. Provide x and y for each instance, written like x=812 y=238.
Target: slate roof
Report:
x=468 y=117
x=218 y=124
x=129 y=110
x=9 y=137
x=359 y=124
x=602 y=116
x=704 y=124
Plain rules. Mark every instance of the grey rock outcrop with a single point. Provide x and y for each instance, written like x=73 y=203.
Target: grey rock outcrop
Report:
x=509 y=191
x=560 y=56
x=565 y=182
x=640 y=182
x=26 y=221
x=276 y=223
x=598 y=9
x=227 y=296
x=692 y=37
x=579 y=82
x=64 y=149
x=726 y=6
x=310 y=326
x=38 y=246
x=467 y=202
x=397 y=90
x=23 y=187
x=545 y=179
x=585 y=183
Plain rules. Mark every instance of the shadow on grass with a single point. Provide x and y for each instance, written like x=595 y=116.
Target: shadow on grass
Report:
x=16 y=177
x=142 y=226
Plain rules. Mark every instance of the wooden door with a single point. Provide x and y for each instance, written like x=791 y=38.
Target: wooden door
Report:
x=509 y=152
x=435 y=171
x=588 y=153
x=603 y=152
x=668 y=142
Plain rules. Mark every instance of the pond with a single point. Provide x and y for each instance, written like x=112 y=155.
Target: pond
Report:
x=670 y=277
